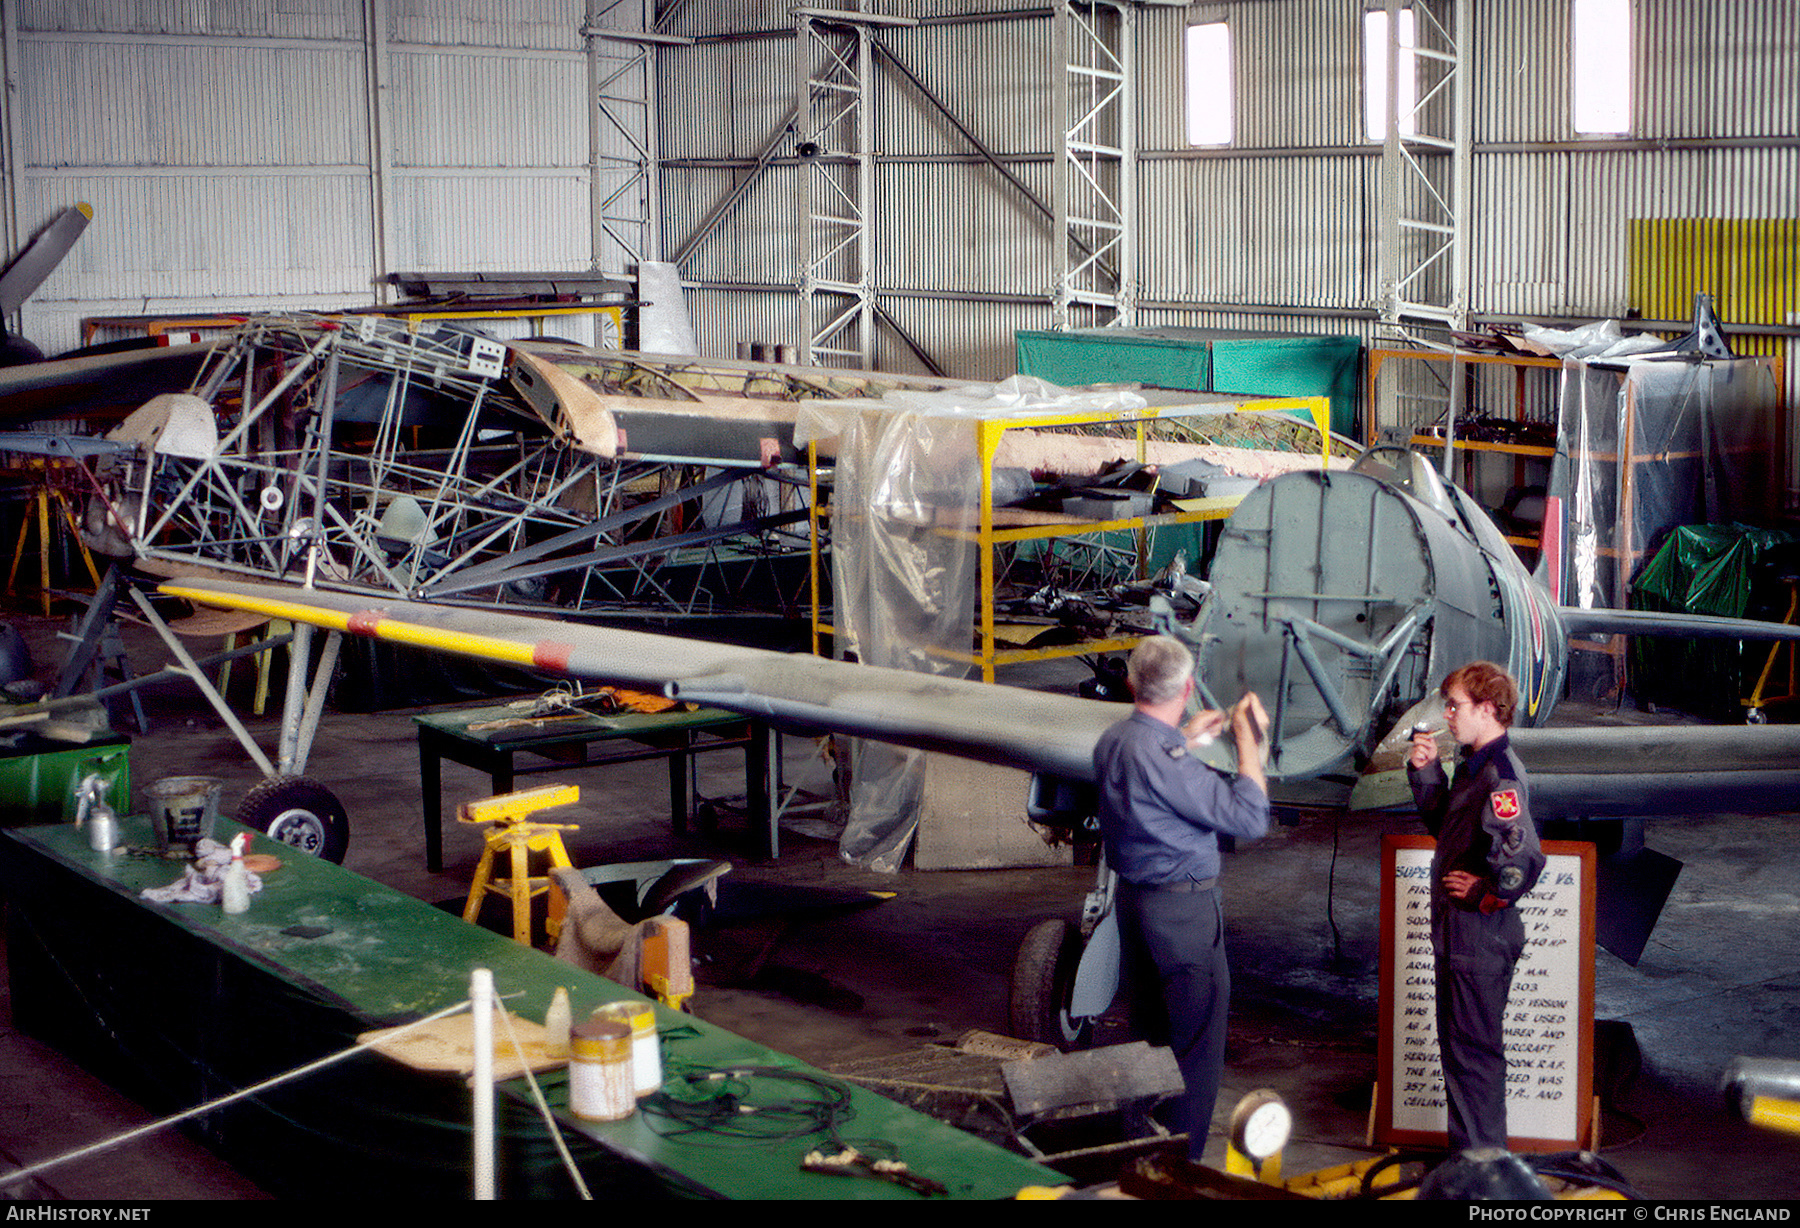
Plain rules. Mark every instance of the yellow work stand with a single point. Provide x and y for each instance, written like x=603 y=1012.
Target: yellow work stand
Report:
x=513 y=834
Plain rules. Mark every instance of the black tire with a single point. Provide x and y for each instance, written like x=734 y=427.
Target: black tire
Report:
x=300 y=813
x=1042 y=980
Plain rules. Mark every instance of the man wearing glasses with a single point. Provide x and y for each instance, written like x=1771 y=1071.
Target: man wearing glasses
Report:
x=1487 y=858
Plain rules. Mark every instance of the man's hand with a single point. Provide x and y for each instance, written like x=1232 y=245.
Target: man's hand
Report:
x=1461 y=884
x=1250 y=730
x=1424 y=750
x=1249 y=720
x=1203 y=726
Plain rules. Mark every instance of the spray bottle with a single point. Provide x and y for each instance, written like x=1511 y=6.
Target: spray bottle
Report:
x=234 y=890
x=91 y=809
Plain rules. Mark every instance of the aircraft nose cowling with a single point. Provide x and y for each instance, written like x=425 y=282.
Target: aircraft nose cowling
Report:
x=1331 y=593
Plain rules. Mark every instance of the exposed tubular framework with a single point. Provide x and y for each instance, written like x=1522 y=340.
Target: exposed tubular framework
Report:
x=361 y=453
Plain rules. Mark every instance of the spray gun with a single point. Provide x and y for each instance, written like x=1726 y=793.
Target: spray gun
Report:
x=91 y=808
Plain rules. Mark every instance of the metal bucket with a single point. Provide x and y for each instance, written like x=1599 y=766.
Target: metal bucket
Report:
x=183 y=809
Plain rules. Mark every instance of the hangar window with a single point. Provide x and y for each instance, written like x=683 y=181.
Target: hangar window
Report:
x=1375 y=79
x=1209 y=102
x=1600 y=67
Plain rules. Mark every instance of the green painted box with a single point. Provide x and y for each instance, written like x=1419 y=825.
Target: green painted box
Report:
x=38 y=777
x=1202 y=360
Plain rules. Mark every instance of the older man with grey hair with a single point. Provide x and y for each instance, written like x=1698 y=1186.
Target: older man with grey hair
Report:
x=1162 y=811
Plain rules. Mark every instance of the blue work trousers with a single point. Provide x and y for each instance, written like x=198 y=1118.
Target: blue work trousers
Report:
x=1182 y=936
x=1471 y=1009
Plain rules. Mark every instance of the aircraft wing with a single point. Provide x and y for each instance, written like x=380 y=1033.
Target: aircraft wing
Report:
x=1004 y=725
x=1629 y=771
x=1592 y=772
x=1656 y=622
x=1662 y=769
x=96 y=385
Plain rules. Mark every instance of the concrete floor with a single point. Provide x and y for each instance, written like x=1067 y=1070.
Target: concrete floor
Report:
x=853 y=989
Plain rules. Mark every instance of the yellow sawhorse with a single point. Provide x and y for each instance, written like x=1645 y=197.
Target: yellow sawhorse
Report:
x=516 y=836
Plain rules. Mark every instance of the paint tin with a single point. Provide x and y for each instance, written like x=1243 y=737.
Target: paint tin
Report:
x=646 y=1048
x=600 y=1071
x=183 y=809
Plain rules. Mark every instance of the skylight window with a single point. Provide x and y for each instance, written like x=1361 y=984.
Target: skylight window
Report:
x=1209 y=100
x=1601 y=67
x=1375 y=79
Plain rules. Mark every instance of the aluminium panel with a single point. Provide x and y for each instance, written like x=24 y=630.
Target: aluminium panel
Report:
x=757 y=242
x=1521 y=72
x=461 y=110
x=157 y=105
x=289 y=19
x=994 y=77
x=1518 y=257
x=969 y=340
x=1609 y=189
x=1259 y=230
x=1725 y=68
x=725 y=100
x=728 y=17
x=218 y=237
x=457 y=220
x=527 y=25
x=961 y=228
x=724 y=318
x=1299 y=74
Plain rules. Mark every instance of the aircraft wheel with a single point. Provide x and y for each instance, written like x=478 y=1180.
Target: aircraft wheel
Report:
x=1755 y=716
x=1042 y=980
x=300 y=813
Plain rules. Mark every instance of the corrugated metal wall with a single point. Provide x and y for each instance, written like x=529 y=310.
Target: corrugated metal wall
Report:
x=235 y=158
x=230 y=150
x=1279 y=231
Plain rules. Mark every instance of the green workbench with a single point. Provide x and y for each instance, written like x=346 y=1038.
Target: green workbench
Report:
x=466 y=736
x=180 y=1003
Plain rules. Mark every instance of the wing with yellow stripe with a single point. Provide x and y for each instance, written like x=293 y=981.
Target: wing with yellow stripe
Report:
x=996 y=724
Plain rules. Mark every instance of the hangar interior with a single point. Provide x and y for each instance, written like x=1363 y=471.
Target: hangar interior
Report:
x=1361 y=211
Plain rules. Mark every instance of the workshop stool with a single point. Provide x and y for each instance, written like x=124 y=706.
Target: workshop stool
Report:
x=514 y=835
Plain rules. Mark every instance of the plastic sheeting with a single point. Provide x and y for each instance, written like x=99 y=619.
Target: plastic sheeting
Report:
x=905 y=509
x=1698 y=442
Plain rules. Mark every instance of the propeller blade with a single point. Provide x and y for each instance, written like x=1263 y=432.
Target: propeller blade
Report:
x=41 y=256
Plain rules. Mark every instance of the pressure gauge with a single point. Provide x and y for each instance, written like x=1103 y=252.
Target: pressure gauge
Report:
x=1260 y=1125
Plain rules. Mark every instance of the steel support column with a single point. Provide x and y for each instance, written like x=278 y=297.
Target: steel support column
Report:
x=623 y=149
x=836 y=187
x=1425 y=173
x=1096 y=187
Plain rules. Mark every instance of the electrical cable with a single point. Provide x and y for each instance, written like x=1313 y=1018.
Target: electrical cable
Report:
x=728 y=1105
x=1583 y=1168
x=733 y=1105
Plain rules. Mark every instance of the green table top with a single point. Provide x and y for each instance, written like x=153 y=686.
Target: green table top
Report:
x=385 y=956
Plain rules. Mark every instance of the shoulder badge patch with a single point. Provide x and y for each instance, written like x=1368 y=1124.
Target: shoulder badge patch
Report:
x=1506 y=804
